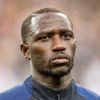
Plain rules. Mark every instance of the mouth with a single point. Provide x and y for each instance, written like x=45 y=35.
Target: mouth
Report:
x=60 y=59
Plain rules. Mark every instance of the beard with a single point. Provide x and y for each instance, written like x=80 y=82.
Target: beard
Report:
x=46 y=68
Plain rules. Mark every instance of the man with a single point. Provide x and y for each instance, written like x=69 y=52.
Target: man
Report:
x=49 y=45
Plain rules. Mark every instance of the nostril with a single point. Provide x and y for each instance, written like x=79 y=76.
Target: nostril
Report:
x=58 y=48
x=57 y=43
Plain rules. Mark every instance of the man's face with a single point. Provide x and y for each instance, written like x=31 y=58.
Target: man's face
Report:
x=52 y=46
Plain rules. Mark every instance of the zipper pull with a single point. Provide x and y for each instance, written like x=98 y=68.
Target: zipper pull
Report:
x=58 y=97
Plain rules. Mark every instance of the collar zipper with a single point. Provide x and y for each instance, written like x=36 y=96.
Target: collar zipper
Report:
x=58 y=96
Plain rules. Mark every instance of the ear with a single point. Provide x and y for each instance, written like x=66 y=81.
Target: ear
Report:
x=25 y=49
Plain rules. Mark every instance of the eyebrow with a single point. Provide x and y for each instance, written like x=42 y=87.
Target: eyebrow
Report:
x=52 y=32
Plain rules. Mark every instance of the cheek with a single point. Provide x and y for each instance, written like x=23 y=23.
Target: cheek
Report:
x=36 y=52
x=39 y=53
x=72 y=49
x=40 y=48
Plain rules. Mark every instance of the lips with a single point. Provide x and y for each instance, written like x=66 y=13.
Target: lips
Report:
x=60 y=59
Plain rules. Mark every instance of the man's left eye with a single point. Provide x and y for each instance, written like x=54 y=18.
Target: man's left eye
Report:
x=66 y=36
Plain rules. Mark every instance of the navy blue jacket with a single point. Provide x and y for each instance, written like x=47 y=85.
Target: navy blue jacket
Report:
x=32 y=90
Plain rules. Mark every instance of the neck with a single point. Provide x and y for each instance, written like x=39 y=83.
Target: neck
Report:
x=51 y=82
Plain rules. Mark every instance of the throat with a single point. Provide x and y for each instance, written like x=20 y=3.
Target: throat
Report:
x=53 y=83
x=57 y=84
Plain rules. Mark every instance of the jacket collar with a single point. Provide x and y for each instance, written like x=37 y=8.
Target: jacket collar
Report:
x=34 y=87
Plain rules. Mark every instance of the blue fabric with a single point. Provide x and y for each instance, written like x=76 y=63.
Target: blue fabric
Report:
x=32 y=90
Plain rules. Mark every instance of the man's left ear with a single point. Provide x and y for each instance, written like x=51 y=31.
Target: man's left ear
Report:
x=25 y=49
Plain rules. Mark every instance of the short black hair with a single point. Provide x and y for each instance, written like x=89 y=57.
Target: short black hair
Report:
x=25 y=29
x=26 y=26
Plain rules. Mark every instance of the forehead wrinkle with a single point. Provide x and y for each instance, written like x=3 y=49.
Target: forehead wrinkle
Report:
x=38 y=19
x=56 y=15
x=52 y=32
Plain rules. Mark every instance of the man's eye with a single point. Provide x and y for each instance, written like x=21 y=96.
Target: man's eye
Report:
x=44 y=38
x=66 y=36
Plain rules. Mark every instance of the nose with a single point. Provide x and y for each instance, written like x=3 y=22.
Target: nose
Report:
x=57 y=44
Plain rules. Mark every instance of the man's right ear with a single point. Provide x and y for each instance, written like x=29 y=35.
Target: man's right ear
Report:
x=25 y=49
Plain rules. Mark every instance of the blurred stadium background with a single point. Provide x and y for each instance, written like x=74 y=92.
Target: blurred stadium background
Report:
x=85 y=15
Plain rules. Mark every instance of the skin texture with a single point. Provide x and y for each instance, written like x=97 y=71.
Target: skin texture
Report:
x=51 y=49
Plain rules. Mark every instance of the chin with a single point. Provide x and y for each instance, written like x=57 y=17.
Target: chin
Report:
x=60 y=72
x=55 y=72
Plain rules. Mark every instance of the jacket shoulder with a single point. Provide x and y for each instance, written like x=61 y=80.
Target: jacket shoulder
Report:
x=88 y=94
x=19 y=92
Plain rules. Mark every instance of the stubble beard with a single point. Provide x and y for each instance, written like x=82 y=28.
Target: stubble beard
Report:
x=47 y=69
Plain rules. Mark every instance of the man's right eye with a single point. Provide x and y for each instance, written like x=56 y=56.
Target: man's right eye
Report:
x=44 y=38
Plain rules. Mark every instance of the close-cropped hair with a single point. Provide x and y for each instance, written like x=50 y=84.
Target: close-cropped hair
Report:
x=25 y=29
x=26 y=25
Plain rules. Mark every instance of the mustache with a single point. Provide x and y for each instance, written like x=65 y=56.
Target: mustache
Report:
x=59 y=55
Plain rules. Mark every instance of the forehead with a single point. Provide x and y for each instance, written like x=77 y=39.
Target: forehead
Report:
x=49 y=22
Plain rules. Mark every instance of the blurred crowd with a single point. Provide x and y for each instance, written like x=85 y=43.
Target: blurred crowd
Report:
x=85 y=15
